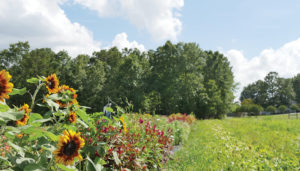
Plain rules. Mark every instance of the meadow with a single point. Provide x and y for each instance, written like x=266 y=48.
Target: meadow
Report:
x=255 y=143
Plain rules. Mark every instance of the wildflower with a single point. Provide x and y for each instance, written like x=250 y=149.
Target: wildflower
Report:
x=24 y=120
x=52 y=83
x=20 y=135
x=5 y=86
x=64 y=88
x=72 y=117
x=123 y=124
x=68 y=148
x=141 y=121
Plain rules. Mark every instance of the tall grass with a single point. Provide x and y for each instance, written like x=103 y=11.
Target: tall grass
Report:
x=258 y=143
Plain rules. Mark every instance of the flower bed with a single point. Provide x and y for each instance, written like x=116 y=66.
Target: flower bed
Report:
x=67 y=138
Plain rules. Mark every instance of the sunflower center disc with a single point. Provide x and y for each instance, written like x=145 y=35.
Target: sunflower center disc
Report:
x=70 y=148
x=50 y=84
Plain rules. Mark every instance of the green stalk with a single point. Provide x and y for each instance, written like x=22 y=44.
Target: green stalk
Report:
x=34 y=95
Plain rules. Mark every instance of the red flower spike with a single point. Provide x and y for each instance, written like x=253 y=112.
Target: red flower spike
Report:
x=141 y=121
x=91 y=140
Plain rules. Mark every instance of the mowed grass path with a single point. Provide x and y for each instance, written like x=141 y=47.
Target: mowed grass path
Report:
x=262 y=143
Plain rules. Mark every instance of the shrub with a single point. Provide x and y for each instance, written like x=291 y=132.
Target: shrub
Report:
x=255 y=109
x=182 y=117
x=295 y=107
x=282 y=108
x=271 y=109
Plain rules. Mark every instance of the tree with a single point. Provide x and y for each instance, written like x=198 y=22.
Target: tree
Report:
x=217 y=68
x=273 y=90
x=296 y=87
x=213 y=101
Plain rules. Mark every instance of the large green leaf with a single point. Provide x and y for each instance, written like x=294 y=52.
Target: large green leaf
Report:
x=52 y=104
x=33 y=117
x=11 y=115
x=82 y=114
x=3 y=107
x=18 y=91
x=18 y=149
x=52 y=136
x=33 y=80
x=24 y=159
x=116 y=158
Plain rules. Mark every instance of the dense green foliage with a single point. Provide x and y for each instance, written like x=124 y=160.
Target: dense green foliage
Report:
x=260 y=143
x=273 y=90
x=173 y=78
x=30 y=141
x=247 y=106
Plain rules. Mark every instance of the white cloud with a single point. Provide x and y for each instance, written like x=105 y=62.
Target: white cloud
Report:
x=285 y=61
x=44 y=24
x=121 y=42
x=159 y=17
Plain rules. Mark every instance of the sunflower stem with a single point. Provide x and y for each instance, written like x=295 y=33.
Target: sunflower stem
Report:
x=34 y=95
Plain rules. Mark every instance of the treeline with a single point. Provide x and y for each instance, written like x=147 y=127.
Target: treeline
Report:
x=173 y=78
x=273 y=93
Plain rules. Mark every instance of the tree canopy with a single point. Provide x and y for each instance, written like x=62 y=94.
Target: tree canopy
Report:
x=172 y=78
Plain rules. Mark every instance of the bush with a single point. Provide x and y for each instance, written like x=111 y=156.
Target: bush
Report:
x=250 y=108
x=271 y=109
x=282 y=108
x=182 y=117
x=295 y=107
x=255 y=109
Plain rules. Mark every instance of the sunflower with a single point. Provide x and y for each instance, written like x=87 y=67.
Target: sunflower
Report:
x=68 y=147
x=5 y=86
x=72 y=117
x=24 y=120
x=64 y=88
x=123 y=124
x=52 y=83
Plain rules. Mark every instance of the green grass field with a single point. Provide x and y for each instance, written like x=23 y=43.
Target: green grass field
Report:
x=257 y=143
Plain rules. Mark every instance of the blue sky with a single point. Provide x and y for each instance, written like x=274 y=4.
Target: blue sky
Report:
x=250 y=26
x=256 y=36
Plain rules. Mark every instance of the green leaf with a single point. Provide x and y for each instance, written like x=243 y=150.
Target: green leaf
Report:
x=52 y=104
x=52 y=136
x=93 y=166
x=18 y=91
x=33 y=80
x=17 y=148
x=82 y=123
x=70 y=127
x=116 y=158
x=3 y=108
x=82 y=114
x=11 y=115
x=24 y=159
x=63 y=167
x=34 y=167
x=48 y=147
x=42 y=120
x=109 y=109
x=33 y=117
x=34 y=132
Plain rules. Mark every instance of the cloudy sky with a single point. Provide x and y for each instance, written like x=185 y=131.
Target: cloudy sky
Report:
x=256 y=36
